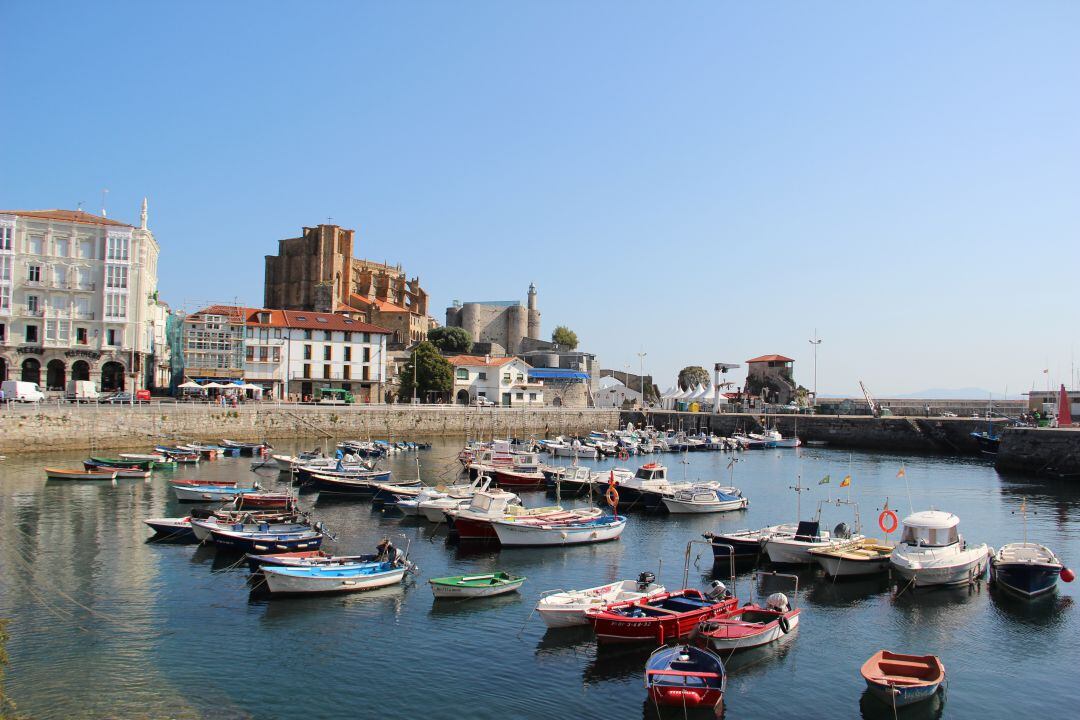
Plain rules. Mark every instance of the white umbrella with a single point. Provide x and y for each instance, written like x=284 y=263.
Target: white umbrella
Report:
x=215 y=386
x=189 y=385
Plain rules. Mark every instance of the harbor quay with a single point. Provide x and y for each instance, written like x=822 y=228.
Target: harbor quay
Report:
x=46 y=428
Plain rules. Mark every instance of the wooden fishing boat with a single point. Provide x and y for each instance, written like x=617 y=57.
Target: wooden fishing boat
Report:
x=263 y=500
x=566 y=608
x=513 y=478
x=686 y=676
x=475 y=586
x=60 y=474
x=208 y=493
x=175 y=529
x=319 y=579
x=205 y=483
x=121 y=472
x=663 y=617
x=147 y=457
x=358 y=483
x=121 y=462
x=750 y=625
x=304 y=558
x=898 y=680
x=704 y=499
x=245 y=448
x=202 y=527
x=549 y=533
x=865 y=556
x=1028 y=569
x=246 y=541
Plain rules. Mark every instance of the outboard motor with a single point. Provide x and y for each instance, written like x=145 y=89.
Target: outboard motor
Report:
x=777 y=602
x=717 y=590
x=644 y=580
x=842 y=531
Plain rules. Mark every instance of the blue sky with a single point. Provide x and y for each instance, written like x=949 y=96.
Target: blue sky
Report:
x=705 y=181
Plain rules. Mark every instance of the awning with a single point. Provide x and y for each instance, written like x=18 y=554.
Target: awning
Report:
x=557 y=374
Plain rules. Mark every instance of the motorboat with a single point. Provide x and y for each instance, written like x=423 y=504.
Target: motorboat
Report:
x=751 y=625
x=899 y=680
x=475 y=521
x=932 y=552
x=686 y=676
x=646 y=487
x=660 y=618
x=1028 y=569
x=567 y=608
x=864 y=556
x=332 y=579
x=175 y=529
x=794 y=549
x=475 y=586
x=747 y=544
x=705 y=499
x=548 y=532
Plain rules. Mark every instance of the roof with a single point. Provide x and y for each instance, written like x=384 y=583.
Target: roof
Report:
x=557 y=374
x=235 y=313
x=478 y=361
x=932 y=520
x=77 y=216
x=360 y=303
x=291 y=319
x=770 y=358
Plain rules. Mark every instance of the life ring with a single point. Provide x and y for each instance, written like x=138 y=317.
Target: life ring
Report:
x=785 y=627
x=650 y=466
x=612 y=496
x=623 y=455
x=887 y=514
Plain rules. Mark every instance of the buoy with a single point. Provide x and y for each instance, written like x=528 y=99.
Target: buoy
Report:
x=1067 y=575
x=891 y=517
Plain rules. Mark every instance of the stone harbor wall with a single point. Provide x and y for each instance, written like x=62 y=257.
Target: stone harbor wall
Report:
x=79 y=427
x=902 y=434
x=1045 y=451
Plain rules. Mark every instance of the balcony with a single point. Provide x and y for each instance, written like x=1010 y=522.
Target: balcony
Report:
x=33 y=283
x=37 y=312
x=82 y=315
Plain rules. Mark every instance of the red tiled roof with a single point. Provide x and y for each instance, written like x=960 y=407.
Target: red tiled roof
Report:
x=328 y=321
x=66 y=216
x=235 y=313
x=476 y=360
x=770 y=358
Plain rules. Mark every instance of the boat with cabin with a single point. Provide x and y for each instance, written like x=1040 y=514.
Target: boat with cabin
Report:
x=932 y=552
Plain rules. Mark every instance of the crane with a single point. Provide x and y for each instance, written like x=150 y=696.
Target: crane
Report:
x=875 y=409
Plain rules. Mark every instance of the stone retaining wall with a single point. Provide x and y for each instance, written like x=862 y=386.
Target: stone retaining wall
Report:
x=78 y=427
x=1046 y=451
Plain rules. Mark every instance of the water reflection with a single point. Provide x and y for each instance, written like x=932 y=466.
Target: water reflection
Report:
x=874 y=709
x=1045 y=611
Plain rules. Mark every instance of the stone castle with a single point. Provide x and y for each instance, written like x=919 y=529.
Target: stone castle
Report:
x=504 y=325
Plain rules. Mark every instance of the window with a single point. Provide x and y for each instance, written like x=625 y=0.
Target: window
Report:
x=365 y=337
x=3 y=332
x=33 y=273
x=31 y=333
x=277 y=333
x=5 y=268
x=348 y=353
x=62 y=246
x=86 y=249
x=326 y=372
x=348 y=337
x=326 y=351
x=521 y=396
x=506 y=379
x=250 y=333
x=50 y=330
x=264 y=354
x=5 y=238
x=116 y=276
x=80 y=336
x=520 y=378
x=110 y=337
x=32 y=303
x=462 y=374
x=532 y=397
x=367 y=354
x=307 y=352
x=326 y=335
x=117 y=247
x=250 y=353
x=34 y=244
x=366 y=372
x=481 y=376
x=59 y=275
x=307 y=370
x=115 y=305
x=307 y=334
x=346 y=373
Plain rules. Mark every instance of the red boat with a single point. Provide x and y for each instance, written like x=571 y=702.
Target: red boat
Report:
x=658 y=619
x=515 y=479
x=263 y=500
x=686 y=676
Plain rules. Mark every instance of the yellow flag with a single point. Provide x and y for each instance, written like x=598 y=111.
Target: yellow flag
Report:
x=846 y=481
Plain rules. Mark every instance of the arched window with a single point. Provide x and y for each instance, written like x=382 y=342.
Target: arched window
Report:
x=112 y=376
x=55 y=375
x=80 y=370
x=31 y=370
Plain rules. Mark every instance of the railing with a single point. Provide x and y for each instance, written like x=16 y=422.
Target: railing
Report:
x=39 y=312
x=82 y=315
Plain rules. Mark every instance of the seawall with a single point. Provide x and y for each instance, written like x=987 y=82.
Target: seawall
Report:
x=1046 y=451
x=902 y=434
x=79 y=427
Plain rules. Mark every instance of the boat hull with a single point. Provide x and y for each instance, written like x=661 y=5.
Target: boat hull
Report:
x=681 y=507
x=741 y=638
x=960 y=569
x=615 y=628
x=842 y=567
x=1023 y=578
x=207 y=494
x=280 y=583
x=522 y=535
x=455 y=591
x=261 y=544
x=177 y=529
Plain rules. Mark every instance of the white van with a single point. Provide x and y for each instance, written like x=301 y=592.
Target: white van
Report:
x=17 y=390
x=81 y=391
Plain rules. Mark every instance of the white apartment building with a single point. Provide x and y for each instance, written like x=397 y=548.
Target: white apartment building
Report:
x=501 y=380
x=78 y=299
x=291 y=354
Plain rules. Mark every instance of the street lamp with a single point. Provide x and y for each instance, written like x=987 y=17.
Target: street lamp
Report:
x=641 y=360
x=815 y=342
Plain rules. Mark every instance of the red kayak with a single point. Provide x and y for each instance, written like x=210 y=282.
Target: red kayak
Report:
x=661 y=618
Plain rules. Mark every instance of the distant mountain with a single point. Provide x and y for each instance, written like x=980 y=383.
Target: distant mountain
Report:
x=967 y=393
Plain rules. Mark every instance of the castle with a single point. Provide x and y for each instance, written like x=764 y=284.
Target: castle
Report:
x=504 y=325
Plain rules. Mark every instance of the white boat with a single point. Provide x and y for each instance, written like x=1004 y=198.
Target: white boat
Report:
x=576 y=449
x=144 y=457
x=932 y=551
x=566 y=608
x=326 y=579
x=866 y=556
x=209 y=493
x=202 y=528
x=1028 y=569
x=574 y=532
x=794 y=549
x=411 y=507
x=705 y=499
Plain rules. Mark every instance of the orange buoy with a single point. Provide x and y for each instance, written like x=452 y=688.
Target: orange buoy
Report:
x=1067 y=575
x=889 y=515
x=612 y=496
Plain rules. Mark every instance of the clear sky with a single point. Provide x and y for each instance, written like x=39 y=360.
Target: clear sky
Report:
x=705 y=181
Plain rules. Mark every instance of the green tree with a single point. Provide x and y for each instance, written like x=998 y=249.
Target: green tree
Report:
x=691 y=376
x=450 y=339
x=564 y=337
x=432 y=373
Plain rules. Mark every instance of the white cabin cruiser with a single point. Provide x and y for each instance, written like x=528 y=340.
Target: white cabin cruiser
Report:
x=932 y=551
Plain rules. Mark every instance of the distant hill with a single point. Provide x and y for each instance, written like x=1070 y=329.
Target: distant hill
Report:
x=968 y=393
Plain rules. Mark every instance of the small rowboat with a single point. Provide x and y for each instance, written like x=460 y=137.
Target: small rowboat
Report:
x=703 y=499
x=751 y=625
x=120 y=463
x=202 y=527
x=175 y=529
x=244 y=541
x=210 y=483
x=660 y=618
x=566 y=608
x=304 y=558
x=898 y=680
x=686 y=676
x=121 y=472
x=865 y=556
x=61 y=474
x=207 y=493
x=263 y=500
x=318 y=579
x=512 y=533
x=475 y=586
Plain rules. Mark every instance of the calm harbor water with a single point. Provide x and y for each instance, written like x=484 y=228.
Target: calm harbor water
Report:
x=106 y=624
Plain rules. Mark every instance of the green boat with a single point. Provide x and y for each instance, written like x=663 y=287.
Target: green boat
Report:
x=473 y=586
x=122 y=463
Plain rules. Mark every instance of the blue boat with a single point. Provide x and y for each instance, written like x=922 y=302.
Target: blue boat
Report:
x=260 y=542
x=360 y=483
x=1027 y=569
x=327 y=579
x=898 y=680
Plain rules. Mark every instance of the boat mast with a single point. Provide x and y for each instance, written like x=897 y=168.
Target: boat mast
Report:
x=798 y=488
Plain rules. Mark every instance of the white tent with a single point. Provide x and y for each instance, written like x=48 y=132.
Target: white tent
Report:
x=215 y=386
x=190 y=385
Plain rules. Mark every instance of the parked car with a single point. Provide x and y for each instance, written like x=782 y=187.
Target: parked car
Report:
x=124 y=398
x=20 y=391
x=81 y=391
x=484 y=402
